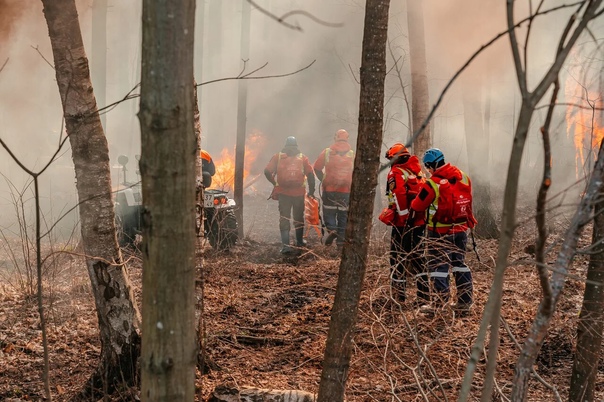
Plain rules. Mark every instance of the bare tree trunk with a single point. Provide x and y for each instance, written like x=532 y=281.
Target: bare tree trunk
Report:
x=118 y=317
x=591 y=318
x=167 y=166
x=338 y=349
x=477 y=142
x=241 y=118
x=419 y=75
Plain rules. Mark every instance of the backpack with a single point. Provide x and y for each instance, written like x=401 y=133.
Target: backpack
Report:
x=338 y=168
x=454 y=202
x=413 y=184
x=290 y=171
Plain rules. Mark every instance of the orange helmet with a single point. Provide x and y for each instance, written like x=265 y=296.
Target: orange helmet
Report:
x=204 y=155
x=341 y=135
x=397 y=149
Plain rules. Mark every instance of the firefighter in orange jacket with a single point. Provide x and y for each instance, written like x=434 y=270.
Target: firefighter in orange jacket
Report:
x=447 y=244
x=290 y=171
x=333 y=168
x=406 y=251
x=208 y=169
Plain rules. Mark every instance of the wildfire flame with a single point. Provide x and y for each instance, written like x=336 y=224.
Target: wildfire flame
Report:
x=225 y=163
x=584 y=124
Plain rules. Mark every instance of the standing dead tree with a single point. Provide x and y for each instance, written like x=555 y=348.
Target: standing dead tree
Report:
x=338 y=349
x=586 y=11
x=40 y=295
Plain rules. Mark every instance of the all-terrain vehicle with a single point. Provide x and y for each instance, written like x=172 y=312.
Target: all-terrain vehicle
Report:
x=219 y=221
x=128 y=208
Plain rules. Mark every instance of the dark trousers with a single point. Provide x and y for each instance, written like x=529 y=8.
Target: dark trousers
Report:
x=407 y=257
x=335 y=213
x=449 y=251
x=289 y=205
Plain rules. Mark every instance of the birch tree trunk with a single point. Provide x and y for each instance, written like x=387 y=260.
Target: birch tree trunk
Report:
x=338 y=350
x=118 y=316
x=169 y=149
x=420 y=98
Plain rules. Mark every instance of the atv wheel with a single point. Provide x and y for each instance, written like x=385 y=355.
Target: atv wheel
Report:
x=223 y=231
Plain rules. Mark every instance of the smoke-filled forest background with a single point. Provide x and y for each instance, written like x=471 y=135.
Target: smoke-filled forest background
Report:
x=311 y=104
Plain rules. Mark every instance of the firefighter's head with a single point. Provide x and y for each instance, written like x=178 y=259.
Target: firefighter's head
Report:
x=396 y=151
x=433 y=158
x=291 y=142
x=341 y=135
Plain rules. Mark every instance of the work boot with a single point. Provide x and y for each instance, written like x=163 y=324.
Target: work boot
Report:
x=300 y=242
x=330 y=238
x=286 y=249
x=461 y=309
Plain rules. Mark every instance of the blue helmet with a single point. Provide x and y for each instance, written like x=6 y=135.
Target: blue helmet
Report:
x=433 y=157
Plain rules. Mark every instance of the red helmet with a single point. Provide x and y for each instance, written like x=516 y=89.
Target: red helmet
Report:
x=341 y=135
x=397 y=149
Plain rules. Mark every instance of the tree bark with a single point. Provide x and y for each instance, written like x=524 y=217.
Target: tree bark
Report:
x=591 y=319
x=420 y=98
x=338 y=350
x=118 y=316
x=168 y=143
x=241 y=118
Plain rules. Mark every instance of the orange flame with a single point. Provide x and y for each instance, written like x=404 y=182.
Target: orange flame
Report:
x=225 y=163
x=584 y=124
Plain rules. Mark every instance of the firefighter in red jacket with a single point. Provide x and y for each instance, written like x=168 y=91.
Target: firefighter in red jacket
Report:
x=446 y=241
x=289 y=171
x=406 y=251
x=334 y=168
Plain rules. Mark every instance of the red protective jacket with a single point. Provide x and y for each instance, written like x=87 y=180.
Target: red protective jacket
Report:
x=334 y=167
x=270 y=171
x=426 y=197
x=404 y=183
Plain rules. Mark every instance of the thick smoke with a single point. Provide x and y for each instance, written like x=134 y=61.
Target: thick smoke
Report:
x=10 y=12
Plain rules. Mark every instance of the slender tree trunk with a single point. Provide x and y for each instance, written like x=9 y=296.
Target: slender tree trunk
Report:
x=591 y=319
x=338 y=350
x=117 y=314
x=241 y=118
x=477 y=142
x=167 y=166
x=420 y=98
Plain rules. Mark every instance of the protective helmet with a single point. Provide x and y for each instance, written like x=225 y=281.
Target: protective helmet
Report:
x=397 y=149
x=291 y=142
x=341 y=135
x=433 y=157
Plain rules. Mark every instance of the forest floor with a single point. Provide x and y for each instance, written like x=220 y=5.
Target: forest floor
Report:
x=266 y=321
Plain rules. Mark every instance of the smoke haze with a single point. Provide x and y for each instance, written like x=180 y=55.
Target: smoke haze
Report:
x=311 y=105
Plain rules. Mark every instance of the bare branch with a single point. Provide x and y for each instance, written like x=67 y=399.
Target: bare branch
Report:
x=542 y=197
x=296 y=27
x=37 y=49
x=4 y=65
x=248 y=77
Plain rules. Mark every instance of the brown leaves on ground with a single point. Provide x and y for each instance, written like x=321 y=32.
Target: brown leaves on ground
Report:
x=267 y=318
